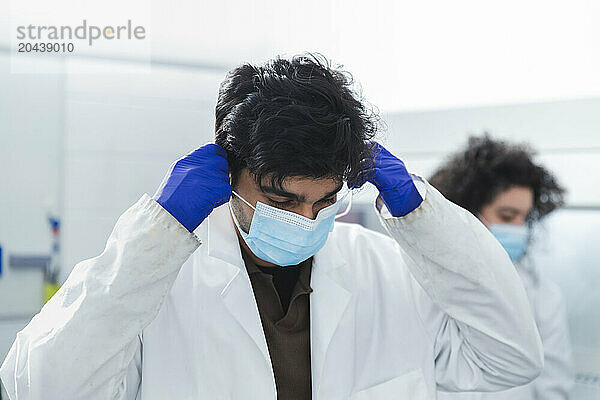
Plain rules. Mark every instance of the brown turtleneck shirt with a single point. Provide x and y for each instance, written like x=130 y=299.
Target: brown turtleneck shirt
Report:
x=282 y=296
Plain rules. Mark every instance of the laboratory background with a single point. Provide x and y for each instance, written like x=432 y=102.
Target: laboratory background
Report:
x=84 y=135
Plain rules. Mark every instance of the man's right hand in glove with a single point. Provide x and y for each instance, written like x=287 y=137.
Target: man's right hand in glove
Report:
x=195 y=185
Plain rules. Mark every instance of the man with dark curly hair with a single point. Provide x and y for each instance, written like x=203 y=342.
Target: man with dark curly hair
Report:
x=500 y=183
x=234 y=281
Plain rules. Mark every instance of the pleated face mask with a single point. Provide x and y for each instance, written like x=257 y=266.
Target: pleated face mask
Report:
x=514 y=238
x=285 y=238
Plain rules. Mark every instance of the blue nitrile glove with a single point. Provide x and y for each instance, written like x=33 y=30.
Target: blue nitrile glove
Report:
x=395 y=185
x=195 y=184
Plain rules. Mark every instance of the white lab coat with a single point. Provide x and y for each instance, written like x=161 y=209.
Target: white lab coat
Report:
x=165 y=314
x=556 y=380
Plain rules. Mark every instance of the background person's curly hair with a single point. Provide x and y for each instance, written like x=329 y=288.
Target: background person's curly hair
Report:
x=474 y=177
x=293 y=118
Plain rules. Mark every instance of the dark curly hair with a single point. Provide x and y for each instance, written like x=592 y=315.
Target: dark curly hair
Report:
x=474 y=177
x=293 y=118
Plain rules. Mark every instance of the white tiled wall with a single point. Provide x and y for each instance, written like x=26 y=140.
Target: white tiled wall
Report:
x=31 y=117
x=123 y=130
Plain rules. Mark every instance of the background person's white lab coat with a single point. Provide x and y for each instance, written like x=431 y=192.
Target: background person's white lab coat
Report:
x=165 y=314
x=556 y=380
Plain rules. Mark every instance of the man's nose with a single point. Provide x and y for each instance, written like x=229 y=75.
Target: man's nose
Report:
x=307 y=210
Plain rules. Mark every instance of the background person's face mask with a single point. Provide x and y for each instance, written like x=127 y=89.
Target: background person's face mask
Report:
x=285 y=238
x=514 y=238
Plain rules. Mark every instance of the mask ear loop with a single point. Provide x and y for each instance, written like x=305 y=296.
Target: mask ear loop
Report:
x=347 y=210
x=244 y=200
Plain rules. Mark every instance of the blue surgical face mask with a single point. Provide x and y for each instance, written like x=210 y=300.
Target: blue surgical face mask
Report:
x=514 y=238
x=285 y=238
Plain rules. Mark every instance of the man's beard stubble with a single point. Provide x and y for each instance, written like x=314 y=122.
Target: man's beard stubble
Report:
x=238 y=207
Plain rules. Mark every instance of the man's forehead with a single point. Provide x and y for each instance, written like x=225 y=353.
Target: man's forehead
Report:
x=287 y=182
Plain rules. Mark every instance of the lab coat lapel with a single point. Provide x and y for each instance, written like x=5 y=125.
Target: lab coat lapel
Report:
x=229 y=275
x=328 y=302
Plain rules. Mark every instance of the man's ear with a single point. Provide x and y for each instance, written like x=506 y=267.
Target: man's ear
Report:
x=234 y=180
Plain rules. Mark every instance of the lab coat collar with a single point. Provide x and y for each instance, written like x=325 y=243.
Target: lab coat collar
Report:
x=229 y=276
x=330 y=297
x=222 y=239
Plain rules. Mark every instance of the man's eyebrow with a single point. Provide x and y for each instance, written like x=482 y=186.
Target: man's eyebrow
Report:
x=280 y=192
x=337 y=189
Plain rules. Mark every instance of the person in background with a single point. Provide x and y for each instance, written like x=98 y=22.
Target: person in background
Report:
x=500 y=183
